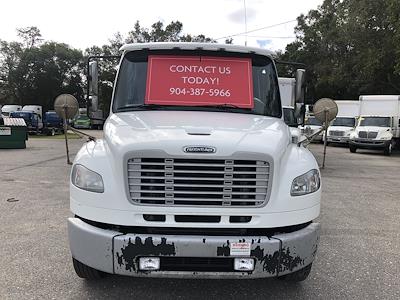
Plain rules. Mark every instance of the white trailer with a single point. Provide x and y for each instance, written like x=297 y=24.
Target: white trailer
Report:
x=38 y=110
x=9 y=108
x=378 y=124
x=343 y=125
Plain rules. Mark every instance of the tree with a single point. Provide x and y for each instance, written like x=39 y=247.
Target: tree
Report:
x=31 y=36
x=38 y=75
x=35 y=71
x=351 y=47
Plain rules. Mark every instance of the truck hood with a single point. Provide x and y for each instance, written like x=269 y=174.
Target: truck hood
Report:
x=170 y=131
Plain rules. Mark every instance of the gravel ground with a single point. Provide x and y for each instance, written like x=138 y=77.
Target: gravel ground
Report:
x=358 y=257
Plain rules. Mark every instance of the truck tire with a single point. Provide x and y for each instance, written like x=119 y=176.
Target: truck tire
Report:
x=50 y=132
x=352 y=148
x=84 y=271
x=388 y=149
x=297 y=276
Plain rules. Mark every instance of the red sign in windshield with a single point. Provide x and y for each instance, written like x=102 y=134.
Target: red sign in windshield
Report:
x=195 y=80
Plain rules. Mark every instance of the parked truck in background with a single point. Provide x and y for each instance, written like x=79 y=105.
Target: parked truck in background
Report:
x=311 y=126
x=344 y=124
x=97 y=119
x=197 y=174
x=32 y=120
x=8 y=108
x=52 y=123
x=378 y=124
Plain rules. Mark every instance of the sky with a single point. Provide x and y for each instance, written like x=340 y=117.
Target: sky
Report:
x=83 y=23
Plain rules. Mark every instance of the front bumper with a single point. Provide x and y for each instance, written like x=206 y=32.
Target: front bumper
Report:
x=117 y=253
x=81 y=126
x=369 y=144
x=338 y=139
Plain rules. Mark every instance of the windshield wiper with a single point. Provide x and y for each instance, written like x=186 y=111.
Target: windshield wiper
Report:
x=139 y=106
x=225 y=105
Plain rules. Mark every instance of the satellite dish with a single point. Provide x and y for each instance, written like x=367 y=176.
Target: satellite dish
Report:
x=325 y=109
x=66 y=106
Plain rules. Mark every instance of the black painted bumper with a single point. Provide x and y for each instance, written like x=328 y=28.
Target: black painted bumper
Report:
x=338 y=139
x=117 y=253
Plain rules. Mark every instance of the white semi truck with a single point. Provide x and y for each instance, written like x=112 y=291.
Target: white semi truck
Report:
x=344 y=124
x=378 y=124
x=197 y=174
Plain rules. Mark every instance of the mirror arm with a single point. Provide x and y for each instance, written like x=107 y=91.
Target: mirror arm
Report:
x=90 y=137
x=308 y=139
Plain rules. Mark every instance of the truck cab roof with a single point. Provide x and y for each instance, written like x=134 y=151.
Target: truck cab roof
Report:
x=195 y=46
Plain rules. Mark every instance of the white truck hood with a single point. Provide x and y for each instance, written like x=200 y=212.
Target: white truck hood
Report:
x=170 y=131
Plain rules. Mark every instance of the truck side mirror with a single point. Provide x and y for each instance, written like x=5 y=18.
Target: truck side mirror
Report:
x=300 y=81
x=93 y=81
x=300 y=113
x=94 y=103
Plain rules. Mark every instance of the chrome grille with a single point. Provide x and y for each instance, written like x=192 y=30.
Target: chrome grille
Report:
x=367 y=134
x=198 y=182
x=336 y=133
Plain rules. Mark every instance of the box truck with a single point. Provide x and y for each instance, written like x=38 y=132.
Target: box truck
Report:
x=197 y=174
x=378 y=124
x=340 y=129
x=33 y=114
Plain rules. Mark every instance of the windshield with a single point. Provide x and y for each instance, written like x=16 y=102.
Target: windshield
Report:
x=288 y=116
x=25 y=115
x=52 y=116
x=133 y=75
x=312 y=121
x=347 y=122
x=375 y=121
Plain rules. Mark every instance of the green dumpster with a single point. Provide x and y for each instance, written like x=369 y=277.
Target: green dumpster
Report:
x=13 y=133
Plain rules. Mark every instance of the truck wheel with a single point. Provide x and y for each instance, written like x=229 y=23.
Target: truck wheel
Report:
x=388 y=149
x=84 y=271
x=297 y=276
x=352 y=148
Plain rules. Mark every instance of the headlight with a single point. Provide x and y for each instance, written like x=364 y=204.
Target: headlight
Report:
x=86 y=179
x=306 y=183
x=386 y=136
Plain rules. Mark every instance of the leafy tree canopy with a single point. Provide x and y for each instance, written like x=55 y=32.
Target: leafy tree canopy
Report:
x=350 y=47
x=35 y=71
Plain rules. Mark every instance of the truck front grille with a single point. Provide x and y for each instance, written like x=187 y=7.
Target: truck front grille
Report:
x=368 y=134
x=198 y=182
x=336 y=133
